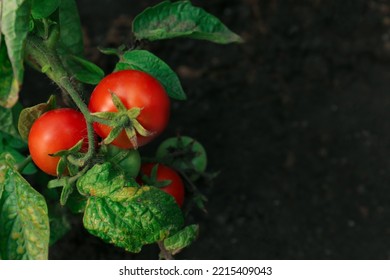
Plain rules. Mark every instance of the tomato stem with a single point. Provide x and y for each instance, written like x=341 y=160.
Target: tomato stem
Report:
x=22 y=165
x=40 y=54
x=164 y=252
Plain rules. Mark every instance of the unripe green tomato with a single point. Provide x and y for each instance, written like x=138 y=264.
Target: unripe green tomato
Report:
x=128 y=160
x=185 y=153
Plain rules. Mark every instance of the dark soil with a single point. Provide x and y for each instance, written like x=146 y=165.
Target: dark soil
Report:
x=297 y=119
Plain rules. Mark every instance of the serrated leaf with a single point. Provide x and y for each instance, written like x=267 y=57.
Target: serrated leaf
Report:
x=29 y=115
x=148 y=62
x=71 y=36
x=15 y=24
x=146 y=216
x=43 y=8
x=128 y=217
x=24 y=223
x=181 y=19
x=84 y=70
x=182 y=239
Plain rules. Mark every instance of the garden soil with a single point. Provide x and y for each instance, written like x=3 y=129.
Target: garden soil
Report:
x=296 y=120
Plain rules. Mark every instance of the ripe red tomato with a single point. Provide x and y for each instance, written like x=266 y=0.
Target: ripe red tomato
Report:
x=56 y=130
x=164 y=173
x=136 y=89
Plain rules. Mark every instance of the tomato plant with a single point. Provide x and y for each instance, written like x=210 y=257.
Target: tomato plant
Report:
x=164 y=178
x=55 y=131
x=129 y=107
x=142 y=96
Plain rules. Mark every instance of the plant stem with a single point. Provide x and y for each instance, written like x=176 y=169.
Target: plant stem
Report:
x=23 y=164
x=164 y=253
x=39 y=54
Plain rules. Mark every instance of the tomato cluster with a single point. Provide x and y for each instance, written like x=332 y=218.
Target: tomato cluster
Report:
x=139 y=103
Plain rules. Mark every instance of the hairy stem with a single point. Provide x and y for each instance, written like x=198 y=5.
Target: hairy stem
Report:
x=40 y=55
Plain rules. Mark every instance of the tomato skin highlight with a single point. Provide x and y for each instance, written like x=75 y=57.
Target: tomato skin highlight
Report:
x=56 y=130
x=175 y=188
x=135 y=89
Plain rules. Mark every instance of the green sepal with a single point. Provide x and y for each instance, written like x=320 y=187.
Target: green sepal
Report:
x=152 y=179
x=56 y=183
x=66 y=191
x=112 y=51
x=117 y=102
x=105 y=115
x=200 y=200
x=114 y=133
x=140 y=129
x=61 y=166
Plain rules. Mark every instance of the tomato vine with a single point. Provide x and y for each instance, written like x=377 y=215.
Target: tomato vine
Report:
x=128 y=109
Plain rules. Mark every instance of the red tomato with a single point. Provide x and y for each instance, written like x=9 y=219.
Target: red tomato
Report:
x=136 y=89
x=55 y=130
x=175 y=188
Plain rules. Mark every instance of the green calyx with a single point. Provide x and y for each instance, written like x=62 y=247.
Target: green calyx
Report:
x=125 y=119
x=152 y=179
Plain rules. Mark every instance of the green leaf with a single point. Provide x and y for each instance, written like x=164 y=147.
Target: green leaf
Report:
x=71 y=36
x=7 y=76
x=128 y=217
x=43 y=8
x=148 y=215
x=29 y=115
x=84 y=70
x=175 y=243
x=24 y=222
x=100 y=181
x=15 y=24
x=148 y=62
x=7 y=122
x=180 y=19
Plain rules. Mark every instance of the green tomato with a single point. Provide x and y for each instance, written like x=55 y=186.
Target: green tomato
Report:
x=185 y=154
x=128 y=160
